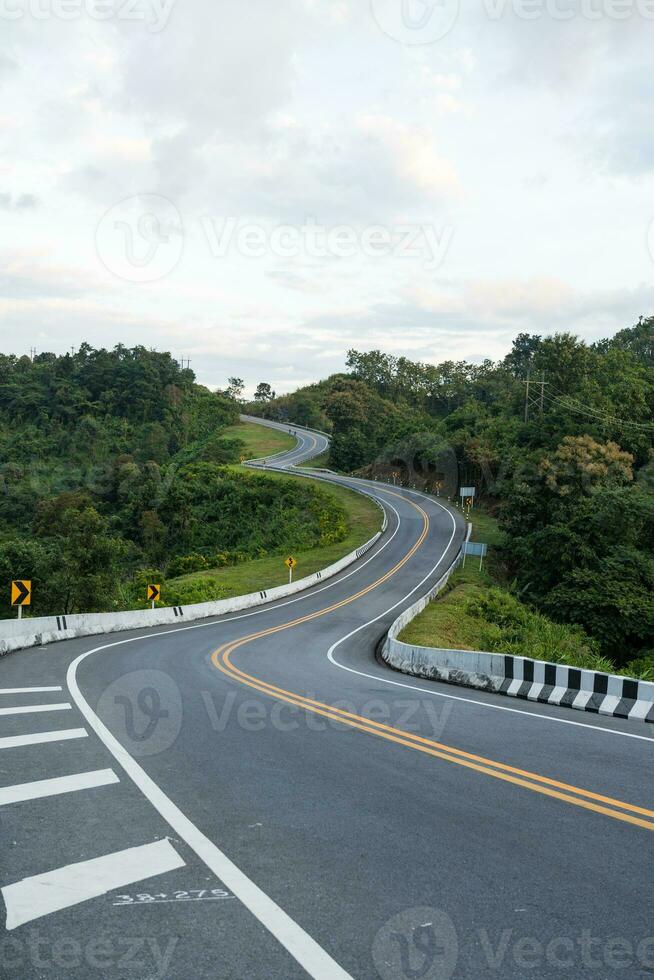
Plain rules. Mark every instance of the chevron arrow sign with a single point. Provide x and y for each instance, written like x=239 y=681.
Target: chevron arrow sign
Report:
x=21 y=593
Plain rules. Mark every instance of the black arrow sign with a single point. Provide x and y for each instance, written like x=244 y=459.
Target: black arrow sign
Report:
x=21 y=593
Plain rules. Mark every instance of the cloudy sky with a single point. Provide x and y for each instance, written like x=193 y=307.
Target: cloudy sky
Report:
x=259 y=186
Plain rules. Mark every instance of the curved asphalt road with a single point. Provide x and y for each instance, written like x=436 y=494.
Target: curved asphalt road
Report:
x=257 y=797
x=309 y=443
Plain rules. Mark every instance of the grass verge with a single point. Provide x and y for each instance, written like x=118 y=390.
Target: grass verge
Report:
x=259 y=440
x=445 y=622
x=317 y=461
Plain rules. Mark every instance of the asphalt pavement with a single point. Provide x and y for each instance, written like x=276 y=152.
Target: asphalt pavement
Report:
x=257 y=796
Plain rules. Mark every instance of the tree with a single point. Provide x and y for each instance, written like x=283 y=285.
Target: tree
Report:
x=235 y=388
x=581 y=465
x=639 y=340
x=580 y=541
x=264 y=392
x=82 y=560
x=153 y=536
x=521 y=358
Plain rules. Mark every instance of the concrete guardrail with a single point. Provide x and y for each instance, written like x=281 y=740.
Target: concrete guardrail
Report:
x=518 y=677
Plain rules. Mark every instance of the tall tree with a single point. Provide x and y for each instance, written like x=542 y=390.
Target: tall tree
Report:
x=235 y=388
x=264 y=392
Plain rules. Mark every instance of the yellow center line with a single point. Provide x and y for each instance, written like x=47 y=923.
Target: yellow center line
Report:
x=499 y=770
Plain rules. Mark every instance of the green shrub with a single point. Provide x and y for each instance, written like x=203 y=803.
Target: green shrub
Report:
x=185 y=564
x=513 y=628
x=206 y=589
x=642 y=667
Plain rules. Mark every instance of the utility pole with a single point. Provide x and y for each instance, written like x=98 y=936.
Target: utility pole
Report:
x=527 y=382
x=534 y=400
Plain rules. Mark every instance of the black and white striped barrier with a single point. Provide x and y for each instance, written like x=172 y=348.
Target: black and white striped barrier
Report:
x=520 y=677
x=517 y=677
x=571 y=687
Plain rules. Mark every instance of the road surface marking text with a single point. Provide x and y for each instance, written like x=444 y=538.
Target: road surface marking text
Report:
x=43 y=894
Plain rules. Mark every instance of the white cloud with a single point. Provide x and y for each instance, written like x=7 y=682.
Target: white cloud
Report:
x=415 y=155
x=531 y=140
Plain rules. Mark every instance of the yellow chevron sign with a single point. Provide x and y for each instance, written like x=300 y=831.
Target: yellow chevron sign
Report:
x=154 y=593
x=21 y=593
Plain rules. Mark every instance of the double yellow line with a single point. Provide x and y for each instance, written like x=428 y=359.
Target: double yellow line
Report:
x=606 y=805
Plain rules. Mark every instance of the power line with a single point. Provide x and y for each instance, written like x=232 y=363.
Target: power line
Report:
x=574 y=405
x=584 y=409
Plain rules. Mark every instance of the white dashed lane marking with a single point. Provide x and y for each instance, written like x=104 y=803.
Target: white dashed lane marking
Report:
x=54 y=787
x=40 y=738
x=28 y=690
x=32 y=898
x=57 y=889
x=28 y=709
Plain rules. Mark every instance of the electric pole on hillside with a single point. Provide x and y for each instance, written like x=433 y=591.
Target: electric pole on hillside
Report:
x=532 y=399
x=527 y=383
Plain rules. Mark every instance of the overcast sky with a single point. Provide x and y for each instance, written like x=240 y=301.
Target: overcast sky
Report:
x=259 y=185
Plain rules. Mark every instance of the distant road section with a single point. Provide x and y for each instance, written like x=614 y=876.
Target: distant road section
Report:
x=309 y=442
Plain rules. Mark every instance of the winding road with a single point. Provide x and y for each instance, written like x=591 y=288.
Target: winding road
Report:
x=257 y=796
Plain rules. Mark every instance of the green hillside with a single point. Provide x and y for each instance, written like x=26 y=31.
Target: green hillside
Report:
x=117 y=469
x=558 y=439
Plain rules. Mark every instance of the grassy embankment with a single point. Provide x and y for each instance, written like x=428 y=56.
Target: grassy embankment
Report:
x=363 y=520
x=478 y=612
x=259 y=440
x=445 y=623
x=321 y=461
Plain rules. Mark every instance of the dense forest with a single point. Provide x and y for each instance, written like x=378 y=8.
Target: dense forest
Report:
x=114 y=469
x=558 y=437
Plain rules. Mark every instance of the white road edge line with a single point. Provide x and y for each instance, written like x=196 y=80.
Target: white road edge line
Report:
x=454 y=697
x=26 y=709
x=54 y=787
x=487 y=704
x=39 y=738
x=28 y=690
x=305 y=950
x=43 y=894
x=438 y=694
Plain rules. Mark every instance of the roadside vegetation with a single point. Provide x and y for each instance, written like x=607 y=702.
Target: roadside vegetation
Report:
x=323 y=460
x=117 y=469
x=362 y=519
x=480 y=610
x=558 y=439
